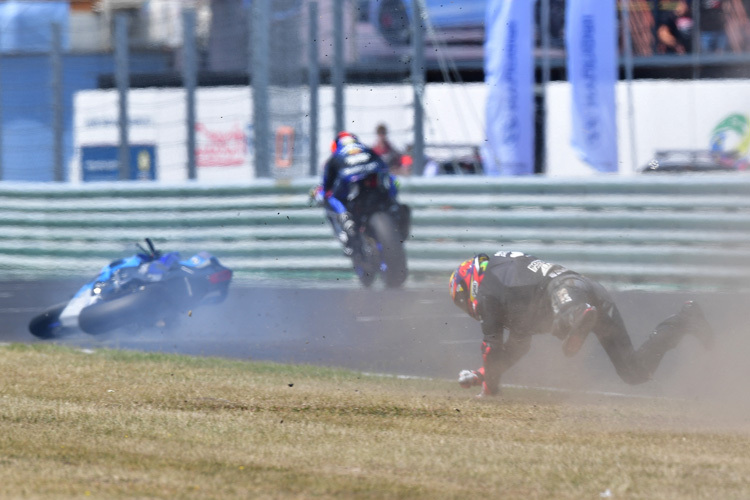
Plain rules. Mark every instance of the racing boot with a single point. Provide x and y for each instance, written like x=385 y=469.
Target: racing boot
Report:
x=348 y=247
x=347 y=234
x=668 y=334
x=573 y=326
x=695 y=324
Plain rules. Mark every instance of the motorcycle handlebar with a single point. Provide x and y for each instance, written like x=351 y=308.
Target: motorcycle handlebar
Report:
x=152 y=251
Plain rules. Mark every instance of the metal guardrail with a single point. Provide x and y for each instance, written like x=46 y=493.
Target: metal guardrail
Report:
x=680 y=232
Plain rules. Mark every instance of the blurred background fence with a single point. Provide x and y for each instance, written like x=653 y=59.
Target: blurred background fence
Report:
x=288 y=62
x=653 y=233
x=241 y=99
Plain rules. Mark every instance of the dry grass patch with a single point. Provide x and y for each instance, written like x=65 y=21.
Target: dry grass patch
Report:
x=114 y=424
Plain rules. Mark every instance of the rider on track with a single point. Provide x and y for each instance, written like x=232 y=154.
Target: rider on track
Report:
x=349 y=157
x=526 y=296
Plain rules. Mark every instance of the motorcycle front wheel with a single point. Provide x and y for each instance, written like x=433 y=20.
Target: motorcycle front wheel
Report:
x=47 y=325
x=391 y=246
x=141 y=307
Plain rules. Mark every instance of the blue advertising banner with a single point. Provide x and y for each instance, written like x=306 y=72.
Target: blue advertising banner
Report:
x=509 y=74
x=100 y=163
x=591 y=42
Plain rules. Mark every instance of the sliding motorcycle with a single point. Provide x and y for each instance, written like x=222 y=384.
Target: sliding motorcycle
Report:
x=144 y=290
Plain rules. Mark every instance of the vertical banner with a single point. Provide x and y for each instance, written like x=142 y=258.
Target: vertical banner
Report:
x=591 y=43
x=509 y=75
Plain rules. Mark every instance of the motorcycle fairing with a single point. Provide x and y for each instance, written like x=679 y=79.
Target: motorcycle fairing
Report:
x=85 y=295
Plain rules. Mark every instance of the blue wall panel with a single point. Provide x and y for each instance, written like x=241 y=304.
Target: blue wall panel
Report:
x=27 y=113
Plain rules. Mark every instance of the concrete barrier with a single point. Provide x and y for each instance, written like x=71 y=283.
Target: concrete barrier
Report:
x=674 y=232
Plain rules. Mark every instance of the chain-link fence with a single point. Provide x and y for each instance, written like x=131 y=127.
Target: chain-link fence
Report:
x=192 y=87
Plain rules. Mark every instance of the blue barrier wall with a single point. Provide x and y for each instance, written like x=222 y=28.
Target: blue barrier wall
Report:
x=27 y=112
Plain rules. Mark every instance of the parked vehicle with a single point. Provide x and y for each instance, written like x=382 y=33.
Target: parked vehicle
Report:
x=392 y=18
x=682 y=161
x=143 y=290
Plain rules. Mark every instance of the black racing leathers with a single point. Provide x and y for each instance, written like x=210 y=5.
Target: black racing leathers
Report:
x=352 y=159
x=345 y=165
x=523 y=295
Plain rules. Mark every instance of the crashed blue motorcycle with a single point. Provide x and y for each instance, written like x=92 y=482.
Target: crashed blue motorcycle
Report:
x=144 y=290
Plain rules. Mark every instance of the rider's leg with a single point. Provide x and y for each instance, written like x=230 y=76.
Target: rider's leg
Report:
x=342 y=224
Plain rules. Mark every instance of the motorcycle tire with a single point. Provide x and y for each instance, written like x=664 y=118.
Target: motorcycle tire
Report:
x=138 y=308
x=404 y=221
x=367 y=262
x=392 y=252
x=47 y=324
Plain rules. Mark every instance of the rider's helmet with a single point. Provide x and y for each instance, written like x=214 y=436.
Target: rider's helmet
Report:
x=342 y=139
x=464 y=283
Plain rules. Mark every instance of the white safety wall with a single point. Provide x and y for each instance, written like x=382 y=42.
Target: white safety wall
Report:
x=665 y=115
x=455 y=115
x=158 y=117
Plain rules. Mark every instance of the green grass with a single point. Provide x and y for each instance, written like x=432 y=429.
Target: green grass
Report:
x=118 y=424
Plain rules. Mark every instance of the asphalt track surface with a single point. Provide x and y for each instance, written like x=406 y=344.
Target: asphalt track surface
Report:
x=415 y=331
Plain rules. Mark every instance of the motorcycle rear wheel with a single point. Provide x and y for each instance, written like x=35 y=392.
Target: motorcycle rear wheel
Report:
x=138 y=308
x=367 y=261
x=47 y=324
x=392 y=252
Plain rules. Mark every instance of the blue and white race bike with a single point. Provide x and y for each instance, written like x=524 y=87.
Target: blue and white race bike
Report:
x=147 y=289
x=381 y=225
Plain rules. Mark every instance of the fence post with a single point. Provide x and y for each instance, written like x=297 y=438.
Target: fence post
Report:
x=313 y=76
x=58 y=172
x=540 y=162
x=2 y=149
x=418 y=83
x=189 y=80
x=337 y=71
x=260 y=69
x=696 y=39
x=628 y=60
x=122 y=77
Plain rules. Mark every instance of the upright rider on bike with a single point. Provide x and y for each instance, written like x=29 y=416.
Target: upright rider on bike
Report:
x=350 y=158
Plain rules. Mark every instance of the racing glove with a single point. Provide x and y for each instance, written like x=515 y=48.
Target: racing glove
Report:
x=470 y=378
x=316 y=196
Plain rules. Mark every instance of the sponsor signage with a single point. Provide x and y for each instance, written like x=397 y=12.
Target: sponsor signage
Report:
x=101 y=163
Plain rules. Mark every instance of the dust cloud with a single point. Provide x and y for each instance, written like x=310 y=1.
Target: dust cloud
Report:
x=417 y=331
x=715 y=380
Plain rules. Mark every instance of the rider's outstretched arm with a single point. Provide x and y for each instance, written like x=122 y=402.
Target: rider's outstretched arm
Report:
x=335 y=204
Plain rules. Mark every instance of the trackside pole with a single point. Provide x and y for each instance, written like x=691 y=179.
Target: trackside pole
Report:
x=629 y=80
x=313 y=75
x=122 y=77
x=58 y=170
x=259 y=68
x=418 y=83
x=337 y=71
x=190 y=82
